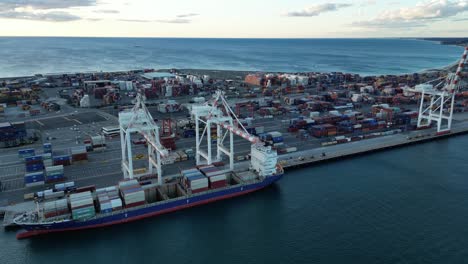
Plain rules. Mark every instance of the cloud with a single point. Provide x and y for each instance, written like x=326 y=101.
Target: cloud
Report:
x=44 y=4
x=316 y=10
x=107 y=11
x=41 y=10
x=174 y=21
x=55 y=16
x=136 y=20
x=417 y=16
x=188 y=15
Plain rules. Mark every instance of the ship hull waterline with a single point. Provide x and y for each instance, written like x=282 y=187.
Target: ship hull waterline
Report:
x=145 y=212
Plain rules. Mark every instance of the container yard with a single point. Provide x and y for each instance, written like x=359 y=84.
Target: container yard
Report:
x=304 y=117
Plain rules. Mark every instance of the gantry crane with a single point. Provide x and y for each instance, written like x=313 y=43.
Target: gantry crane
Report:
x=139 y=120
x=219 y=113
x=441 y=99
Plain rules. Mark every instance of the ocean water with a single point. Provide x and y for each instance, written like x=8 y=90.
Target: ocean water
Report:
x=22 y=56
x=407 y=205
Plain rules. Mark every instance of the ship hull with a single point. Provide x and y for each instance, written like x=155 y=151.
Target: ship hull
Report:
x=32 y=229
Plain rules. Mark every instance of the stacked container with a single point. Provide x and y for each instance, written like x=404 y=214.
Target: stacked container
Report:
x=216 y=177
x=54 y=173
x=64 y=160
x=64 y=186
x=47 y=147
x=50 y=194
x=24 y=153
x=108 y=199
x=47 y=159
x=195 y=180
x=79 y=153
x=34 y=179
x=132 y=193
x=34 y=163
x=82 y=205
x=98 y=142
x=56 y=208
x=88 y=144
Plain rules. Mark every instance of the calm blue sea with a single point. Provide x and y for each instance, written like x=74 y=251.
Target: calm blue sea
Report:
x=20 y=56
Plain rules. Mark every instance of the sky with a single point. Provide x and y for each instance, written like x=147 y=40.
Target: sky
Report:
x=235 y=18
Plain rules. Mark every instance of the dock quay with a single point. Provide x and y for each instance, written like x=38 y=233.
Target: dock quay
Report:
x=315 y=156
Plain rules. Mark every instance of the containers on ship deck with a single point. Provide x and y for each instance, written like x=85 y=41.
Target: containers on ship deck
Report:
x=82 y=205
x=216 y=177
x=131 y=192
x=195 y=180
x=105 y=198
x=56 y=208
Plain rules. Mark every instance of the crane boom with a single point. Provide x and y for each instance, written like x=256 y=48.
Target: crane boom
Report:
x=442 y=100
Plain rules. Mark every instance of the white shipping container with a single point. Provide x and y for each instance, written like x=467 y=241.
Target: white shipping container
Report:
x=275 y=134
x=219 y=177
x=54 y=168
x=291 y=149
x=116 y=203
x=32 y=184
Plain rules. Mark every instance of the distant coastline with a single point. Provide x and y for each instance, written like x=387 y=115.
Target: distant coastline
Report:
x=449 y=41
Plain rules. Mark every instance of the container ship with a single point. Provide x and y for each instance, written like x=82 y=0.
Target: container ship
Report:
x=133 y=198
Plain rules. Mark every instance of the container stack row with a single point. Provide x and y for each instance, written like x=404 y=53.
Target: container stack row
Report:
x=131 y=193
x=82 y=205
x=56 y=208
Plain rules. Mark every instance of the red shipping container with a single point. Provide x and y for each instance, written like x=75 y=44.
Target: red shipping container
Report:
x=218 y=184
x=78 y=157
x=86 y=188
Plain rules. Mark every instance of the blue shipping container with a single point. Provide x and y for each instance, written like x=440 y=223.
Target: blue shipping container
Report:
x=31 y=180
x=34 y=167
x=55 y=177
x=33 y=158
x=62 y=158
x=277 y=139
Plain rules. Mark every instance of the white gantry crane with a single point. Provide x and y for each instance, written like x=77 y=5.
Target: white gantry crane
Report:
x=220 y=114
x=139 y=120
x=441 y=99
